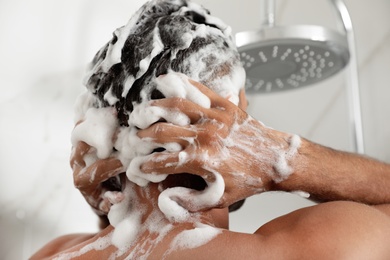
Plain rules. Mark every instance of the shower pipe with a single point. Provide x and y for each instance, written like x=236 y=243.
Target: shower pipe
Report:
x=352 y=86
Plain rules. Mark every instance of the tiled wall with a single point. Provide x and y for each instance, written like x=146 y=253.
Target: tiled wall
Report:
x=44 y=47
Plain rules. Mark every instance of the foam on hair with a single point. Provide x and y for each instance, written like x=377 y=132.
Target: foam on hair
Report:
x=174 y=37
x=164 y=36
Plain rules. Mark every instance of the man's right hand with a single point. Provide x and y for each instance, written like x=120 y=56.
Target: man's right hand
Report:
x=220 y=140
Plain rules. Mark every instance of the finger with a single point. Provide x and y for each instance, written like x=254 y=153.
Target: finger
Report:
x=135 y=173
x=91 y=177
x=194 y=111
x=194 y=200
x=78 y=152
x=189 y=108
x=145 y=114
x=108 y=199
x=165 y=163
x=104 y=206
x=177 y=85
x=163 y=133
x=215 y=99
x=114 y=197
x=157 y=166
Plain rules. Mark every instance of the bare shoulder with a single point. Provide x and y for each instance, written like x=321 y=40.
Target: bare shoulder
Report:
x=385 y=208
x=340 y=230
x=334 y=230
x=60 y=244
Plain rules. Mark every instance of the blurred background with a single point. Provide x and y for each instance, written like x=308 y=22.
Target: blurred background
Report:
x=45 y=46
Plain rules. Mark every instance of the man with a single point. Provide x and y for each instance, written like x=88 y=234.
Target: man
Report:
x=161 y=157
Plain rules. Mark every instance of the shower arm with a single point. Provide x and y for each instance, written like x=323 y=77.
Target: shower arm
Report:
x=352 y=86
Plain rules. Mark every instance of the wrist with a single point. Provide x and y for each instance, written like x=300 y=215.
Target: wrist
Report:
x=285 y=158
x=290 y=166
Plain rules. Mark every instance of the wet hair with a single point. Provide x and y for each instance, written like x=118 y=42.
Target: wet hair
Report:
x=163 y=36
x=175 y=23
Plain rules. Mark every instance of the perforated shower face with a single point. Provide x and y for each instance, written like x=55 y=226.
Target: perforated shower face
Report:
x=277 y=66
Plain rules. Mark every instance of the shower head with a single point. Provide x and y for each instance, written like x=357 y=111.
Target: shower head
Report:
x=283 y=58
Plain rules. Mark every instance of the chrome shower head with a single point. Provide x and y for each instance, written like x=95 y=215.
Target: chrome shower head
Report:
x=283 y=58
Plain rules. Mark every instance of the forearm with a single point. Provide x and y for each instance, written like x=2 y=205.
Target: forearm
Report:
x=327 y=174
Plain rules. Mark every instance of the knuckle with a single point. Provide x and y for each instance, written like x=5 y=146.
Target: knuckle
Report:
x=158 y=129
x=176 y=102
x=198 y=162
x=208 y=135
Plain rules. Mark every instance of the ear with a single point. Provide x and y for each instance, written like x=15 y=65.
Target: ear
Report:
x=242 y=101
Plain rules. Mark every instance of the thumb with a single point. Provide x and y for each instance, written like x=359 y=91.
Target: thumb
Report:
x=177 y=202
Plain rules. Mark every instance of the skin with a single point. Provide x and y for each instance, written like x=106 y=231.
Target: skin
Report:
x=102 y=170
x=325 y=173
x=334 y=230
x=339 y=229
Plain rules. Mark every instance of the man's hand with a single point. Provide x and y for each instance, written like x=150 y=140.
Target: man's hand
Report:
x=92 y=178
x=220 y=140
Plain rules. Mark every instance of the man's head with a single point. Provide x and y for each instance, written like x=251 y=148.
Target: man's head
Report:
x=163 y=37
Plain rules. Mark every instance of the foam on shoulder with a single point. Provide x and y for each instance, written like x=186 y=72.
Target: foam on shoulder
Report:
x=196 y=237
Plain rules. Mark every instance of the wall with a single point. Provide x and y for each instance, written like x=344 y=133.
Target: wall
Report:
x=44 y=48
